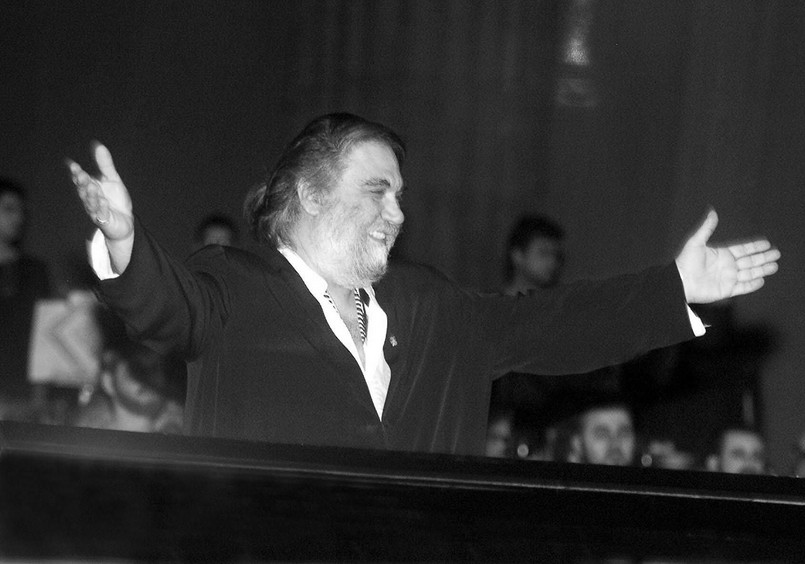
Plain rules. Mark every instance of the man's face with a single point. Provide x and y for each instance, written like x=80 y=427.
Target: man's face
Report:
x=12 y=217
x=607 y=437
x=742 y=452
x=362 y=217
x=540 y=262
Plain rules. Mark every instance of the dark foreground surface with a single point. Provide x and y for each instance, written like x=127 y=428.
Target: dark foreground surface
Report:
x=82 y=494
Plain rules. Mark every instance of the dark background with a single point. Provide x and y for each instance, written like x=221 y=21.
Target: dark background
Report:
x=692 y=103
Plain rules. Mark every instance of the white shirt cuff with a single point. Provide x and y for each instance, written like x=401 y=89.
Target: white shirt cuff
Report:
x=696 y=323
x=99 y=258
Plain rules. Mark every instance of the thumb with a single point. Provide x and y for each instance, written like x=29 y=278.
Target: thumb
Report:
x=104 y=160
x=706 y=229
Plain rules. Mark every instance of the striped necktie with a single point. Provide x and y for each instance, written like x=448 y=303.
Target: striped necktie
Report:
x=361 y=301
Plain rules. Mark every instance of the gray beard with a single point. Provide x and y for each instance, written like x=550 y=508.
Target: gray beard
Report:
x=356 y=263
x=359 y=272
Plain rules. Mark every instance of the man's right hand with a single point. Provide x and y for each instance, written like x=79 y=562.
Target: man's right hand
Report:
x=108 y=205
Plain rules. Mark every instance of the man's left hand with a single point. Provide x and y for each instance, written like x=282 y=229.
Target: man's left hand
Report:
x=710 y=274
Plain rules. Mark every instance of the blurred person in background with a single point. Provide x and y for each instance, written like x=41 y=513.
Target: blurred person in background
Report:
x=500 y=434
x=132 y=393
x=663 y=453
x=216 y=229
x=605 y=434
x=23 y=280
x=535 y=255
x=136 y=390
x=739 y=450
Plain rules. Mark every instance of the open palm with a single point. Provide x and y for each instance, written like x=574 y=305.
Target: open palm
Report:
x=715 y=273
x=106 y=199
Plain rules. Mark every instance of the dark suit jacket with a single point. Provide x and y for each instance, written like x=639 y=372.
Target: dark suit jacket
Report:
x=266 y=366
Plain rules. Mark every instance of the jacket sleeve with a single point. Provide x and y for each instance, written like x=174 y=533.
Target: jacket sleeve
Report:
x=164 y=303
x=587 y=325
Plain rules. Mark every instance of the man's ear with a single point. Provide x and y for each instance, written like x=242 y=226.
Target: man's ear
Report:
x=310 y=199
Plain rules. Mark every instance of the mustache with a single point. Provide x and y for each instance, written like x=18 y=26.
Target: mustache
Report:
x=395 y=228
x=392 y=230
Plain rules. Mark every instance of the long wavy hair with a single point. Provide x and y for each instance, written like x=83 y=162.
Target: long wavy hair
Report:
x=316 y=157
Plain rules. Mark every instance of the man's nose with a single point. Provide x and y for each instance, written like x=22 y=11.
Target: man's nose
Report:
x=392 y=211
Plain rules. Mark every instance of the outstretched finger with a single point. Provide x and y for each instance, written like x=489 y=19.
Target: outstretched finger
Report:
x=747 y=274
x=105 y=164
x=80 y=177
x=749 y=247
x=758 y=259
x=74 y=167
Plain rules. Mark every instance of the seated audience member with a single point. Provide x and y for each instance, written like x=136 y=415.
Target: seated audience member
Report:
x=665 y=454
x=23 y=280
x=216 y=229
x=133 y=392
x=500 y=434
x=739 y=450
x=605 y=434
x=510 y=435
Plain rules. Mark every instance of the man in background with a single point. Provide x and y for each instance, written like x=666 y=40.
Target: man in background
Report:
x=605 y=434
x=24 y=280
x=739 y=450
x=216 y=229
x=535 y=255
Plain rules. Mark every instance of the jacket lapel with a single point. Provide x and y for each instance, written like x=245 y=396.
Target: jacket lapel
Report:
x=306 y=317
x=392 y=346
